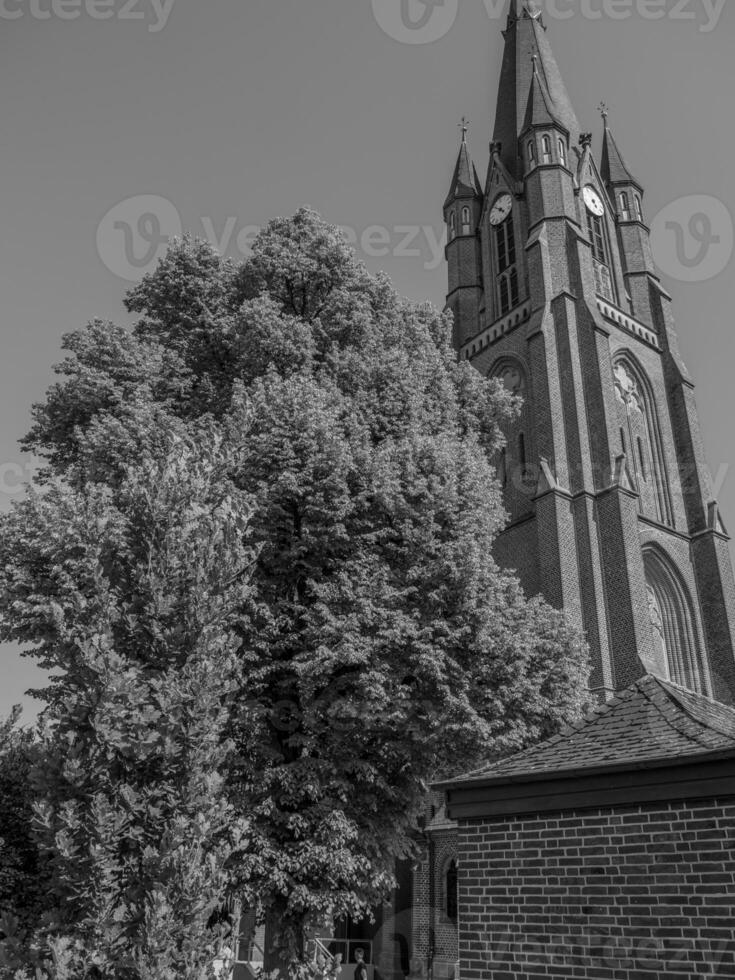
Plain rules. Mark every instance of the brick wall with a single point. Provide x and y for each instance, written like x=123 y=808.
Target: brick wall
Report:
x=433 y=935
x=626 y=893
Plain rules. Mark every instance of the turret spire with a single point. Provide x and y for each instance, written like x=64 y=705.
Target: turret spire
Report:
x=465 y=182
x=614 y=169
x=540 y=110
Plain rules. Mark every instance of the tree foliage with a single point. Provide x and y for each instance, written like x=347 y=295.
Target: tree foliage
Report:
x=131 y=594
x=375 y=643
x=22 y=877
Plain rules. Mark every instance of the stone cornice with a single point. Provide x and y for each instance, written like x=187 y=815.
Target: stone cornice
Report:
x=628 y=323
x=496 y=330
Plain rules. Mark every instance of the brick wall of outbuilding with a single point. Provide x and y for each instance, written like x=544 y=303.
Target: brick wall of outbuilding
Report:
x=629 y=893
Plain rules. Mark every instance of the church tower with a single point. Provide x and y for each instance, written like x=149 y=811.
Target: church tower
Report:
x=554 y=292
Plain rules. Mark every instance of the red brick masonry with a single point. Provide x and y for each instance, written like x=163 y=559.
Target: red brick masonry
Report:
x=607 y=851
x=624 y=893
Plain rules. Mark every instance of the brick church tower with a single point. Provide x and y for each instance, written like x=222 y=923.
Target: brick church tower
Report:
x=611 y=512
x=554 y=292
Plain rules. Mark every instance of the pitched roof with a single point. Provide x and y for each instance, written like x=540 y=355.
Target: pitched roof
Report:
x=614 y=169
x=651 y=721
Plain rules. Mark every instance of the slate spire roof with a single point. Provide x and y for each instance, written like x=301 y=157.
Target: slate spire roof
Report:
x=465 y=181
x=651 y=721
x=540 y=109
x=614 y=169
x=527 y=52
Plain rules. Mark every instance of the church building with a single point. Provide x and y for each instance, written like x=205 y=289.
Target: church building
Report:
x=608 y=851
x=612 y=518
x=554 y=292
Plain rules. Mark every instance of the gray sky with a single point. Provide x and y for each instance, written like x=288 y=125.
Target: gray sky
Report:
x=235 y=111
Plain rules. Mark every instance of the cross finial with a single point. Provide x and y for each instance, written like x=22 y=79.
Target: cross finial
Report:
x=604 y=111
x=464 y=126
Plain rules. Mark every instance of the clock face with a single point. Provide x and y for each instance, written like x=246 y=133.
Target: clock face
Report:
x=501 y=209
x=593 y=201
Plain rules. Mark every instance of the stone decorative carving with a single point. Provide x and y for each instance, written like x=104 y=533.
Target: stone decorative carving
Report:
x=655 y=612
x=626 y=388
x=417 y=968
x=512 y=378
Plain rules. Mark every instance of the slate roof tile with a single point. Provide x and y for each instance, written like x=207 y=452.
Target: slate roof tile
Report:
x=653 y=720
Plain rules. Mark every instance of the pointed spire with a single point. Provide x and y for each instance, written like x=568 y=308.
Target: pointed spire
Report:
x=525 y=38
x=465 y=182
x=478 y=182
x=523 y=8
x=614 y=168
x=540 y=109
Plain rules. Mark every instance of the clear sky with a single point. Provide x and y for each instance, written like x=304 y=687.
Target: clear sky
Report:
x=230 y=112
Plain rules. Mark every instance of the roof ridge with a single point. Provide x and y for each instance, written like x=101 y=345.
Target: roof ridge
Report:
x=697 y=740
x=672 y=695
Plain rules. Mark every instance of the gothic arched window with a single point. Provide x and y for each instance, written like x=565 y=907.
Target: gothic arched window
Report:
x=624 y=207
x=531 y=153
x=674 y=633
x=514 y=463
x=638 y=207
x=451 y=891
x=546 y=148
x=603 y=280
x=452 y=225
x=507 y=271
x=465 y=221
x=642 y=441
x=562 y=153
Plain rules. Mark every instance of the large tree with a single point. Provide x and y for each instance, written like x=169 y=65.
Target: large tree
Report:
x=130 y=591
x=378 y=642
